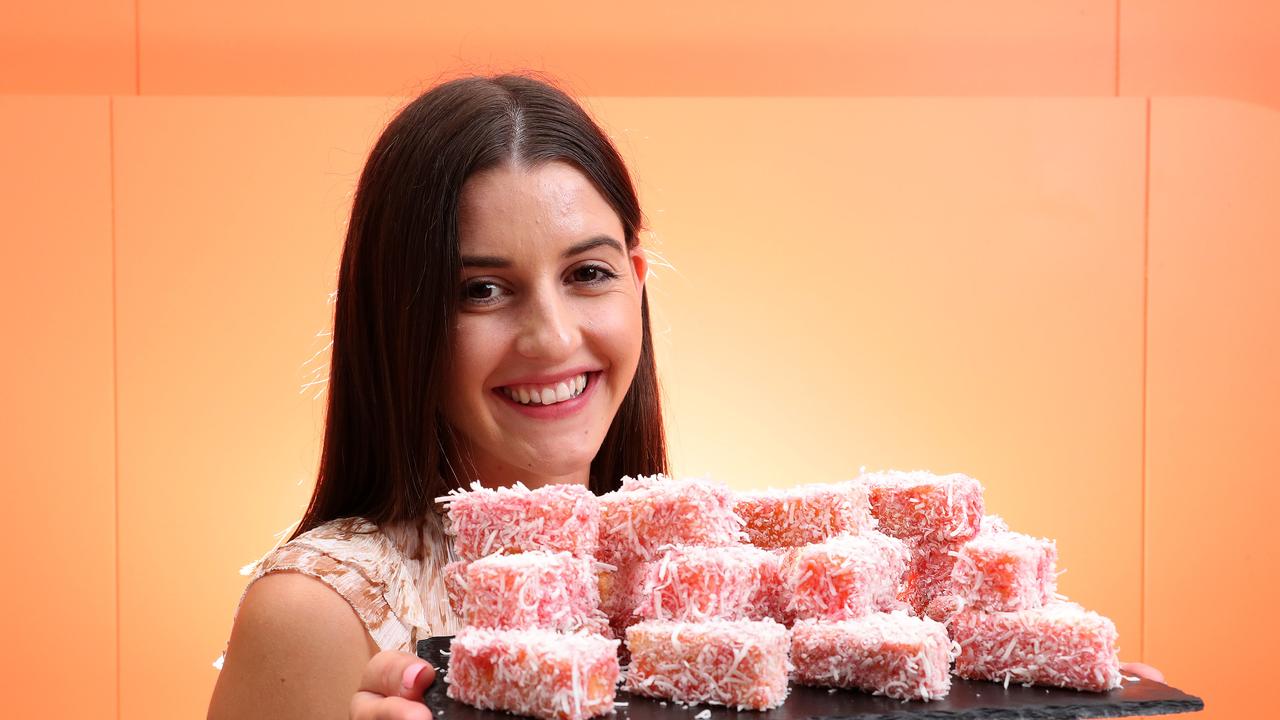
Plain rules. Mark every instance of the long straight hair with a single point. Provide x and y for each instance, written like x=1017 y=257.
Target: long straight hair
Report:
x=388 y=452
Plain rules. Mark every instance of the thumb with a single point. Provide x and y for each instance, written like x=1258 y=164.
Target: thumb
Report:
x=391 y=673
x=1143 y=670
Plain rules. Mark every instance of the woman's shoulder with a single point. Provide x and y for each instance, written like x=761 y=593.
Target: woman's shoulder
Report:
x=396 y=596
x=355 y=559
x=294 y=648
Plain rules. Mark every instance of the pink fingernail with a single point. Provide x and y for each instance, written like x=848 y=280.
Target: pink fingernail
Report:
x=411 y=674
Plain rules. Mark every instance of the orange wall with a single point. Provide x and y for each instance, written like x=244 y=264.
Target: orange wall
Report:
x=1227 y=48
x=57 y=396
x=1213 y=386
x=1070 y=298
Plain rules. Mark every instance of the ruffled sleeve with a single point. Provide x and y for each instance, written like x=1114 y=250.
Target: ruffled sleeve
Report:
x=398 y=599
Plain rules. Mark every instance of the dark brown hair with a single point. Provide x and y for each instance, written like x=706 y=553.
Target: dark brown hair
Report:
x=388 y=451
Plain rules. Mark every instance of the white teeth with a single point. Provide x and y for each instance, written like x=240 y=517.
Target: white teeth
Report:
x=548 y=394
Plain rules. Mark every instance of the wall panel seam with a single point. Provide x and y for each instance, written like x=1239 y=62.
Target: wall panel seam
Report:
x=1117 y=50
x=137 y=49
x=115 y=382
x=1146 y=273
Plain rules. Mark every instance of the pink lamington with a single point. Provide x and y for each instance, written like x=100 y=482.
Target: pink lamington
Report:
x=620 y=593
x=455 y=583
x=1002 y=572
x=536 y=589
x=692 y=583
x=845 y=577
x=516 y=519
x=739 y=663
x=992 y=524
x=771 y=601
x=929 y=569
x=536 y=672
x=928 y=573
x=805 y=513
x=924 y=507
x=893 y=654
x=944 y=608
x=1059 y=644
x=649 y=512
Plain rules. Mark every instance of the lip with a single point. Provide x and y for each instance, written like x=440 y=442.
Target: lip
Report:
x=559 y=410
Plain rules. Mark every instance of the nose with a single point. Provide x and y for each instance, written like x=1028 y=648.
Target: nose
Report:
x=550 y=330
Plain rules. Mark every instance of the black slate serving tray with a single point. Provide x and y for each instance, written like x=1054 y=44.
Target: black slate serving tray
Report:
x=968 y=700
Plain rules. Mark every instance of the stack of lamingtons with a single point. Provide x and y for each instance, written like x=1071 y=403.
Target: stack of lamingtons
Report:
x=877 y=583
x=526 y=592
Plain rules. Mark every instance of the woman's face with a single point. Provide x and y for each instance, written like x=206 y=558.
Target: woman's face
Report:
x=549 y=328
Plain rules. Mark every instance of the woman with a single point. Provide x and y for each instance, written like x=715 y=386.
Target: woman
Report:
x=491 y=325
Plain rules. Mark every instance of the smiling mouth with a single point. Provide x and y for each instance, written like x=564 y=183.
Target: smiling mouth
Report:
x=562 y=391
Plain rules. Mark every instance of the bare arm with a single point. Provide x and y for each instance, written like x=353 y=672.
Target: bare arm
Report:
x=297 y=650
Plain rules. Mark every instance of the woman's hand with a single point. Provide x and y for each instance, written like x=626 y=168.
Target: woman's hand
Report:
x=392 y=688
x=1142 y=670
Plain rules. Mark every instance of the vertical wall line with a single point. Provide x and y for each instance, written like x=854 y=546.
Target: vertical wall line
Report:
x=1146 y=273
x=115 y=381
x=1117 y=79
x=137 y=50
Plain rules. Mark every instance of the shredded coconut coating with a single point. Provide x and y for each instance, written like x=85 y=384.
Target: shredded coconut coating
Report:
x=1060 y=644
x=693 y=583
x=455 y=584
x=922 y=506
x=649 y=512
x=536 y=589
x=1003 y=572
x=516 y=519
x=992 y=524
x=928 y=573
x=845 y=577
x=944 y=608
x=620 y=593
x=929 y=570
x=805 y=514
x=742 y=664
x=534 y=672
x=893 y=654
x=771 y=601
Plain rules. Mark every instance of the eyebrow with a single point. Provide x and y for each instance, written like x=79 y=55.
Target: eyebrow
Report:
x=591 y=244
x=494 y=261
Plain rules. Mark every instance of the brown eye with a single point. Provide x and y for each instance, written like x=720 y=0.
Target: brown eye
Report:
x=593 y=274
x=481 y=292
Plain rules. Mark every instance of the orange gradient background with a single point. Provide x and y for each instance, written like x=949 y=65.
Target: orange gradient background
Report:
x=1031 y=242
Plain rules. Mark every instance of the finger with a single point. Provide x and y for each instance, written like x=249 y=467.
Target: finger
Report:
x=366 y=705
x=392 y=673
x=1143 y=670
